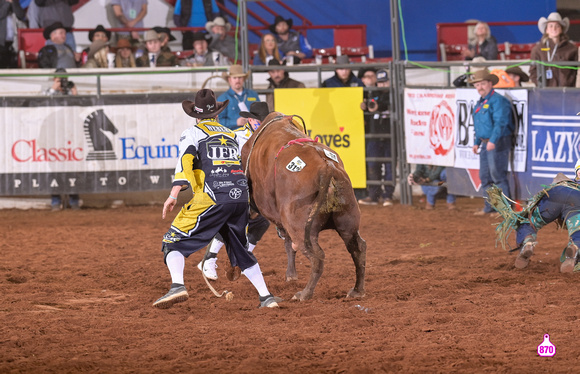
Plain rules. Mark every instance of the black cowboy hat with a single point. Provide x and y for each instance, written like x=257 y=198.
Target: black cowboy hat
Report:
x=201 y=35
x=99 y=28
x=167 y=30
x=258 y=110
x=204 y=105
x=275 y=62
x=363 y=71
x=55 y=26
x=279 y=19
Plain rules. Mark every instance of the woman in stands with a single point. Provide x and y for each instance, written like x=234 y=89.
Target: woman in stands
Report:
x=554 y=46
x=484 y=45
x=268 y=50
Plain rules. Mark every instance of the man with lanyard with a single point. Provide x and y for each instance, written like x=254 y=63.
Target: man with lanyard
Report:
x=240 y=97
x=208 y=160
x=257 y=225
x=493 y=124
x=560 y=202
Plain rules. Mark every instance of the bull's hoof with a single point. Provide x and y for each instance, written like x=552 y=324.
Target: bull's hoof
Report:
x=291 y=278
x=354 y=293
x=301 y=296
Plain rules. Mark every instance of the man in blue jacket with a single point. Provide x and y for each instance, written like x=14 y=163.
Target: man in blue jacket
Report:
x=494 y=127
x=240 y=98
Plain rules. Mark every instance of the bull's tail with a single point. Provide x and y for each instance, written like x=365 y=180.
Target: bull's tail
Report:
x=321 y=200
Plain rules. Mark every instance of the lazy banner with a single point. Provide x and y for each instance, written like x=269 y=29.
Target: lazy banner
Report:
x=334 y=116
x=430 y=126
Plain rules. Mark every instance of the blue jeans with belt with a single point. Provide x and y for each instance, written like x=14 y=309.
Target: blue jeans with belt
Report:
x=493 y=167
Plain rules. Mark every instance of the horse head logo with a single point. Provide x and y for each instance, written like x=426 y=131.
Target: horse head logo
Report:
x=98 y=128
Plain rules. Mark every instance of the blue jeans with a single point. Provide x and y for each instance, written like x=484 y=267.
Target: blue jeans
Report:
x=432 y=191
x=493 y=168
x=560 y=202
x=379 y=148
x=73 y=200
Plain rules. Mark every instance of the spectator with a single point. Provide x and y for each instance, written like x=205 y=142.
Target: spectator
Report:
x=8 y=56
x=483 y=45
x=185 y=14
x=290 y=42
x=268 y=50
x=240 y=97
x=201 y=55
x=56 y=53
x=52 y=11
x=220 y=40
x=279 y=79
x=517 y=75
x=124 y=57
x=130 y=14
x=343 y=77
x=377 y=121
x=494 y=127
x=431 y=178
x=554 y=46
x=153 y=44
x=61 y=86
x=97 y=56
x=165 y=36
x=98 y=33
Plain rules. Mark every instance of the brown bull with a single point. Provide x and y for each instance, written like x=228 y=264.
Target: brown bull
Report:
x=302 y=187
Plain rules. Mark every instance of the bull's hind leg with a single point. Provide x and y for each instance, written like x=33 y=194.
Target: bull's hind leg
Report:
x=347 y=228
x=291 y=253
x=315 y=254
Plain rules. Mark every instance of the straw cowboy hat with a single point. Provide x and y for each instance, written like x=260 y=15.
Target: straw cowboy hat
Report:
x=55 y=26
x=258 y=110
x=279 y=19
x=218 y=21
x=518 y=71
x=553 y=17
x=204 y=105
x=99 y=28
x=483 y=75
x=151 y=35
x=96 y=46
x=236 y=71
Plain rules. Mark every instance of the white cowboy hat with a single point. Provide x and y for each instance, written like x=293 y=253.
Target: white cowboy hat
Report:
x=554 y=17
x=218 y=21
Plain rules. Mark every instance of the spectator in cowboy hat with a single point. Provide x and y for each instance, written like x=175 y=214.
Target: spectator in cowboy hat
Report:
x=240 y=97
x=124 y=57
x=517 y=75
x=153 y=44
x=554 y=46
x=98 y=33
x=343 y=77
x=165 y=37
x=220 y=40
x=279 y=79
x=290 y=42
x=97 y=56
x=494 y=127
x=202 y=56
x=56 y=53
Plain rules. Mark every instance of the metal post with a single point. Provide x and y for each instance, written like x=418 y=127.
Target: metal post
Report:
x=243 y=11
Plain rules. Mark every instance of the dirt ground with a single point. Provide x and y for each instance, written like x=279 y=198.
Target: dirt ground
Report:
x=77 y=288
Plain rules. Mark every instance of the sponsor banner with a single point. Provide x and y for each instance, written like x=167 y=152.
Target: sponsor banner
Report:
x=430 y=126
x=465 y=102
x=332 y=115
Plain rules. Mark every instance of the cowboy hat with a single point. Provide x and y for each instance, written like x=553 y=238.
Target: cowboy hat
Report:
x=151 y=35
x=483 y=75
x=258 y=110
x=204 y=105
x=201 y=35
x=518 y=71
x=236 y=71
x=165 y=30
x=275 y=62
x=55 y=26
x=96 y=46
x=99 y=28
x=553 y=17
x=218 y=21
x=279 y=19
x=342 y=60
x=124 y=43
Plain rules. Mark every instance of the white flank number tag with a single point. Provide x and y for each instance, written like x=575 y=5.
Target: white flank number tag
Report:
x=331 y=155
x=296 y=165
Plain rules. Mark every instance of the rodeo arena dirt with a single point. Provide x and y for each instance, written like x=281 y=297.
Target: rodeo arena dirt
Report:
x=78 y=287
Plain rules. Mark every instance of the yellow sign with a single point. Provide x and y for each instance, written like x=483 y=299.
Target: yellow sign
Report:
x=334 y=116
